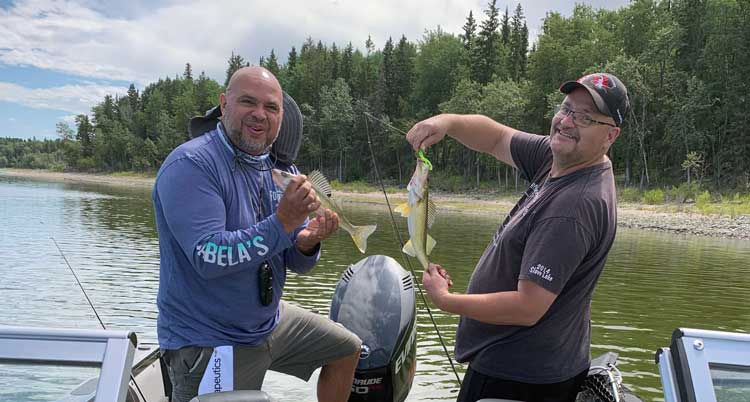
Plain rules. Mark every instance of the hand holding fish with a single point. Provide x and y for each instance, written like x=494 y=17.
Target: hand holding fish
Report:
x=436 y=282
x=322 y=188
x=428 y=132
x=318 y=229
x=298 y=201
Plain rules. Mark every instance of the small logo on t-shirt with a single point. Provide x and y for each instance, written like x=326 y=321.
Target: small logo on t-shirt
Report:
x=541 y=271
x=276 y=195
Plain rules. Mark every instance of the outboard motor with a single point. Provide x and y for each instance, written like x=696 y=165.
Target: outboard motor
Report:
x=375 y=299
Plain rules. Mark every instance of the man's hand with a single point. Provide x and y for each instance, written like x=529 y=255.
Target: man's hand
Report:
x=318 y=229
x=436 y=282
x=298 y=201
x=428 y=132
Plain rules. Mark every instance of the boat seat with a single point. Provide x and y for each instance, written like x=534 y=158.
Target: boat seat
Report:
x=234 y=396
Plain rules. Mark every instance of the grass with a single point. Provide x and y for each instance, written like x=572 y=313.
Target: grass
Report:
x=654 y=197
x=144 y=175
x=734 y=205
x=688 y=199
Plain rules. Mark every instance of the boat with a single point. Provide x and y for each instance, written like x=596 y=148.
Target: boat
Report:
x=374 y=298
x=698 y=365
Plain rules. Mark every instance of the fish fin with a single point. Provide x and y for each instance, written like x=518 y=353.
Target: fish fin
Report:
x=404 y=209
x=409 y=249
x=431 y=213
x=430 y=244
x=320 y=181
x=360 y=235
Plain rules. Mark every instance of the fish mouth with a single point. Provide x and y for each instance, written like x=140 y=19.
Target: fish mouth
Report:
x=280 y=177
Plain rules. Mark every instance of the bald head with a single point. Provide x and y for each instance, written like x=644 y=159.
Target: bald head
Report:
x=252 y=109
x=252 y=73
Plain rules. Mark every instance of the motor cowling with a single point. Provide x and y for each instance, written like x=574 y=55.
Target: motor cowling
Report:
x=375 y=299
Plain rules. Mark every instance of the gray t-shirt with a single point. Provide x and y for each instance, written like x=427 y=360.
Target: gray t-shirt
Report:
x=558 y=236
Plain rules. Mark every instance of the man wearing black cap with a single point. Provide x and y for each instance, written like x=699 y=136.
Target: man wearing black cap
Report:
x=525 y=318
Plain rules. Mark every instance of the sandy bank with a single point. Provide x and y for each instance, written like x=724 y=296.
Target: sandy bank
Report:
x=630 y=215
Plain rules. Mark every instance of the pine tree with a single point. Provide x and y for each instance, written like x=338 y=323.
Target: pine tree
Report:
x=369 y=45
x=387 y=75
x=505 y=27
x=188 y=73
x=403 y=76
x=470 y=31
x=235 y=62
x=333 y=61
x=473 y=57
x=689 y=15
x=133 y=97
x=272 y=64
x=346 y=67
x=519 y=45
x=84 y=135
x=488 y=42
x=291 y=61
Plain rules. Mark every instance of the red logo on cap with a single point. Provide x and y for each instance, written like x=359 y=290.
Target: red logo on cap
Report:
x=602 y=81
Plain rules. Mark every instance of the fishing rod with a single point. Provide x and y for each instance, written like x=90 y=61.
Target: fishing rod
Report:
x=92 y=306
x=401 y=243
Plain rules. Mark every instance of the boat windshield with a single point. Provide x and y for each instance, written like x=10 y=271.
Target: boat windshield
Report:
x=731 y=382
x=44 y=383
x=40 y=363
x=705 y=366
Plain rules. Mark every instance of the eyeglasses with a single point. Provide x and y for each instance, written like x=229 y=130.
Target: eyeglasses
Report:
x=580 y=119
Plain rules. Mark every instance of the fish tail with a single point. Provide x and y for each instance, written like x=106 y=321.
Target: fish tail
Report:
x=409 y=249
x=360 y=235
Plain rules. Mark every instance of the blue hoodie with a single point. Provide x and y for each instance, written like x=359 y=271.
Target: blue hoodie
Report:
x=215 y=215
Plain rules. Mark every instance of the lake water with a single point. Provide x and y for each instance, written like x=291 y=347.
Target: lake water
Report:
x=652 y=284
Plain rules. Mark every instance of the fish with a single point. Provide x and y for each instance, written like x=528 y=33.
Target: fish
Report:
x=324 y=190
x=420 y=214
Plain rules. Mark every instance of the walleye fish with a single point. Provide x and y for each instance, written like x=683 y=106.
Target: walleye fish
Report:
x=323 y=188
x=420 y=214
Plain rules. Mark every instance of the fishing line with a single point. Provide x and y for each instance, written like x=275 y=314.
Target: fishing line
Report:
x=401 y=243
x=391 y=126
x=92 y=306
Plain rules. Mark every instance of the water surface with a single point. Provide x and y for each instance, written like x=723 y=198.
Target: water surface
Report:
x=652 y=284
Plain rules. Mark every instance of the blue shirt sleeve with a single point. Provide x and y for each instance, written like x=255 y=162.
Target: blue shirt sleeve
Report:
x=298 y=262
x=195 y=212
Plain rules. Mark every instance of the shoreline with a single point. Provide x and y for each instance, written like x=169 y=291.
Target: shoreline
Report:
x=637 y=216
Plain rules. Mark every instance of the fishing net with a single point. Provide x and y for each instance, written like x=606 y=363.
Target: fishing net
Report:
x=604 y=382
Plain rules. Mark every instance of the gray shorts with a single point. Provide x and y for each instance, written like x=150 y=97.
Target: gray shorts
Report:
x=302 y=342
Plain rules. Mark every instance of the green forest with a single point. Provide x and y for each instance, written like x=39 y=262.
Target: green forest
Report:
x=686 y=64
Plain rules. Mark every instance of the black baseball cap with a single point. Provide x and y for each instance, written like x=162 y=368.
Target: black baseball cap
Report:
x=608 y=92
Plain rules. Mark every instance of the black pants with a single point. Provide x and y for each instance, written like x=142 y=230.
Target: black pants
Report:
x=476 y=386
x=185 y=368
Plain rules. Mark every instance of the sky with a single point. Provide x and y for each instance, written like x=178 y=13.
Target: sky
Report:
x=58 y=58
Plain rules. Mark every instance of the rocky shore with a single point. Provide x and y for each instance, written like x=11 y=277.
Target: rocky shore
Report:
x=636 y=216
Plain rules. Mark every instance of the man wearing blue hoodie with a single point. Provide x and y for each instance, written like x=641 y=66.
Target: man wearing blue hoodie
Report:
x=226 y=237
